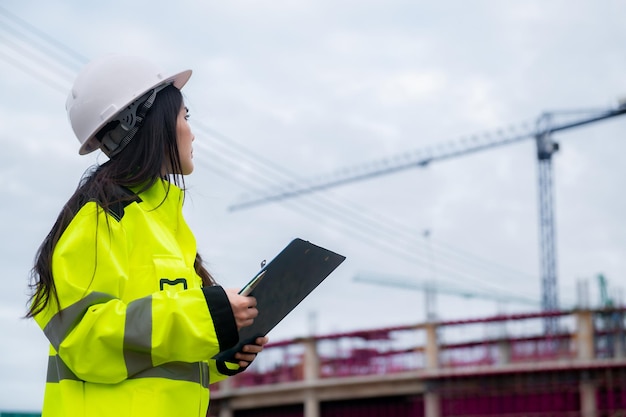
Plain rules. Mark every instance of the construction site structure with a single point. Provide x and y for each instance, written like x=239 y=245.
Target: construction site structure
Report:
x=505 y=365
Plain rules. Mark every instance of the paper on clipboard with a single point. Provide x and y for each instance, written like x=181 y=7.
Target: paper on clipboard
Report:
x=252 y=284
x=281 y=285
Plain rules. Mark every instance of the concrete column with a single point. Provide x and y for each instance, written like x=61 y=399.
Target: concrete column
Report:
x=311 y=405
x=311 y=374
x=588 y=402
x=311 y=360
x=584 y=334
x=225 y=409
x=504 y=352
x=432 y=346
x=432 y=406
x=225 y=385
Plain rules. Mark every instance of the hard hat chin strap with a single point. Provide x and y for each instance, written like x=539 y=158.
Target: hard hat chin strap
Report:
x=119 y=132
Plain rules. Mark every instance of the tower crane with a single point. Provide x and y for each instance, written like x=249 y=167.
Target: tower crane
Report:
x=542 y=132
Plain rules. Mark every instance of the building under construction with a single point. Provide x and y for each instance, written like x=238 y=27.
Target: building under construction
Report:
x=505 y=365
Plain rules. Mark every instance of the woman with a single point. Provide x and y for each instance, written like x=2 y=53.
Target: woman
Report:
x=132 y=315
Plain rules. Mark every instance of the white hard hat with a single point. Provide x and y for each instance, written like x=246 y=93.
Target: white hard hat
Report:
x=111 y=88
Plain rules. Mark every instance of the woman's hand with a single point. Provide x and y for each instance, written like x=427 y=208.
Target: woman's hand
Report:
x=244 y=308
x=249 y=352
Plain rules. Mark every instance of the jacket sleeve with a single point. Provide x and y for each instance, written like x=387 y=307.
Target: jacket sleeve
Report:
x=220 y=370
x=102 y=338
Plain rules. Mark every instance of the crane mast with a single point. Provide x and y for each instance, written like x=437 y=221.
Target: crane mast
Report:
x=546 y=147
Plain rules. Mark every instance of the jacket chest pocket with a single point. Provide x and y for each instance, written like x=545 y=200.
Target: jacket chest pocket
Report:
x=173 y=275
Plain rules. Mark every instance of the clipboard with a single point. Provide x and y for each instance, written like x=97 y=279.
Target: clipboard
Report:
x=281 y=285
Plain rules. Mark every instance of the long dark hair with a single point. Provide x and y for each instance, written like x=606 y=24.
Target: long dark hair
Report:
x=138 y=166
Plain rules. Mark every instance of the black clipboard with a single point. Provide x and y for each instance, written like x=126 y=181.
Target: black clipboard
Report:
x=281 y=285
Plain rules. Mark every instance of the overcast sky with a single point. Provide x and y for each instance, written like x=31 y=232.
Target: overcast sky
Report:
x=289 y=90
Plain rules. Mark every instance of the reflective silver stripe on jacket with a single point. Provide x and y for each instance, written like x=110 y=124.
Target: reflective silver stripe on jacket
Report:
x=197 y=372
x=138 y=336
x=137 y=348
x=62 y=323
x=137 y=328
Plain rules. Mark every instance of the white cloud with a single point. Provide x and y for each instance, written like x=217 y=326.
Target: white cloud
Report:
x=408 y=87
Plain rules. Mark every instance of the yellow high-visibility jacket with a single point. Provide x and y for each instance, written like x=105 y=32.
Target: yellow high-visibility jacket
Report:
x=135 y=330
